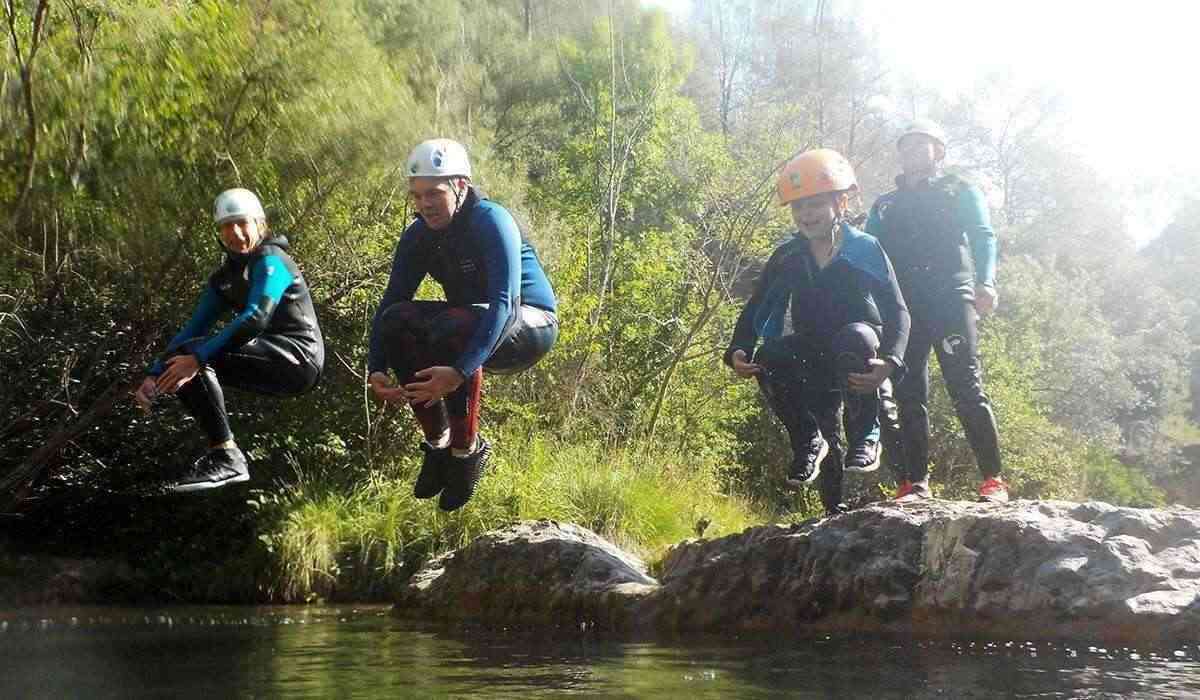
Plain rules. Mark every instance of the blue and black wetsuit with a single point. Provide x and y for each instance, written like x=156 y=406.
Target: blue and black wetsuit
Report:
x=272 y=345
x=841 y=315
x=938 y=235
x=499 y=311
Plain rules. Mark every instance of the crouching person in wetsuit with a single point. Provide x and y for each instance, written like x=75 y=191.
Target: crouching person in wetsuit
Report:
x=499 y=313
x=849 y=323
x=272 y=345
x=936 y=230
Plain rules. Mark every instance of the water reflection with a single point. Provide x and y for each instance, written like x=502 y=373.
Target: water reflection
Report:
x=364 y=652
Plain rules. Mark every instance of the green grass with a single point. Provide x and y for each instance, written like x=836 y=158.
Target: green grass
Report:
x=365 y=538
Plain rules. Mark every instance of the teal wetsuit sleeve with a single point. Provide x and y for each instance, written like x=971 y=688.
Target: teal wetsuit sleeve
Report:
x=269 y=279
x=501 y=243
x=407 y=273
x=208 y=309
x=976 y=219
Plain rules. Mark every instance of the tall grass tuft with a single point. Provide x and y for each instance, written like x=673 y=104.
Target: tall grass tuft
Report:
x=364 y=539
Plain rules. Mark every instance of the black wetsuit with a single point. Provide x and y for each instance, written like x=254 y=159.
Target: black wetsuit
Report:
x=938 y=235
x=272 y=345
x=499 y=311
x=841 y=315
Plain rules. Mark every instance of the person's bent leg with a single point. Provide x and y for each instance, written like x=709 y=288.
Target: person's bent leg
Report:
x=852 y=347
x=827 y=407
x=205 y=401
x=527 y=340
x=267 y=365
x=787 y=369
x=406 y=328
x=889 y=432
x=449 y=333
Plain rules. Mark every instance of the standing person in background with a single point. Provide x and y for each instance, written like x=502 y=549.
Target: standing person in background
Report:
x=849 y=324
x=936 y=230
x=272 y=345
x=499 y=313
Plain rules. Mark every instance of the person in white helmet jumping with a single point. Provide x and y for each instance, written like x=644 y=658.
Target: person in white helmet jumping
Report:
x=936 y=229
x=498 y=313
x=272 y=345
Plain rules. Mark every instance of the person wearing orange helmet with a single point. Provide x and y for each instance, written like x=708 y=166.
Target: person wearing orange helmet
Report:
x=849 y=323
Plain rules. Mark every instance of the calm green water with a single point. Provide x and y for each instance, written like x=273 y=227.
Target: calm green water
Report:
x=364 y=653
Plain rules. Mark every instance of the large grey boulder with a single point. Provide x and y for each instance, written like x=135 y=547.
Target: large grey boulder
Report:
x=538 y=573
x=1025 y=570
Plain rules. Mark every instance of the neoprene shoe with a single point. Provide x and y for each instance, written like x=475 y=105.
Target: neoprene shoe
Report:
x=863 y=458
x=993 y=490
x=216 y=468
x=462 y=475
x=431 y=480
x=914 y=491
x=806 y=463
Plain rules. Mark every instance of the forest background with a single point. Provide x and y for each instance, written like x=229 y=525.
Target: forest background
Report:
x=638 y=151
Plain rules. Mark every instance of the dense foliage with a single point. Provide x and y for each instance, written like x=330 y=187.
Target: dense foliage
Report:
x=637 y=153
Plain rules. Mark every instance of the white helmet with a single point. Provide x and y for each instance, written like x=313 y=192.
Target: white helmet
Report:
x=925 y=127
x=438 y=158
x=238 y=203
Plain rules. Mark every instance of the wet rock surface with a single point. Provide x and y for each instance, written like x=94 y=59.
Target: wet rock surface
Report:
x=1024 y=570
x=539 y=573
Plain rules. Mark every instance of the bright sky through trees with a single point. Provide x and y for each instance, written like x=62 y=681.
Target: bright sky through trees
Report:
x=1124 y=69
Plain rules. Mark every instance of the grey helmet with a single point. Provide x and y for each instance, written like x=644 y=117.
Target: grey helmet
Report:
x=926 y=127
x=237 y=203
x=438 y=158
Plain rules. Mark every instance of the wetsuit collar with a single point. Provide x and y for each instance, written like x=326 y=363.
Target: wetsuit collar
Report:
x=905 y=182
x=462 y=217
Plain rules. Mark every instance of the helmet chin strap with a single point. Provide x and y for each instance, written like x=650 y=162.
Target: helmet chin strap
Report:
x=460 y=195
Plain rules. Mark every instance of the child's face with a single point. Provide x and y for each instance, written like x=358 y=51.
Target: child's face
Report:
x=814 y=216
x=241 y=235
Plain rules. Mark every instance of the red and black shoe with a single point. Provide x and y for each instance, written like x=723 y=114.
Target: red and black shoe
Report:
x=993 y=490
x=910 y=491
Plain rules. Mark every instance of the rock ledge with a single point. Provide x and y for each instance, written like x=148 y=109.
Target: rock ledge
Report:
x=1024 y=570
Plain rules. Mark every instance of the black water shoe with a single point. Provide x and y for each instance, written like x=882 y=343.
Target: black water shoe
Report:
x=218 y=467
x=432 y=479
x=863 y=457
x=462 y=475
x=806 y=462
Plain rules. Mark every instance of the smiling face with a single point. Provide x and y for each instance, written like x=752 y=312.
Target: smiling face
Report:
x=242 y=235
x=815 y=216
x=436 y=199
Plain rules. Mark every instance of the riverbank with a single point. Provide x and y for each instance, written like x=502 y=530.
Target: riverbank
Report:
x=319 y=538
x=1027 y=570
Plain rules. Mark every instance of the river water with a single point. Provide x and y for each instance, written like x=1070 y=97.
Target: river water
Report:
x=363 y=652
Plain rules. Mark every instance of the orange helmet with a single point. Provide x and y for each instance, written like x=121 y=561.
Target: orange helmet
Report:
x=814 y=172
